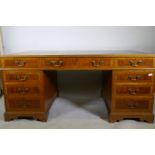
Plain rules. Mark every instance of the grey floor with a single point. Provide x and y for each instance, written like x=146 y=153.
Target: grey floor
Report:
x=66 y=114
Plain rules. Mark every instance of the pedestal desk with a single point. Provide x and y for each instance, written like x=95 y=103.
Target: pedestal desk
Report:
x=30 y=82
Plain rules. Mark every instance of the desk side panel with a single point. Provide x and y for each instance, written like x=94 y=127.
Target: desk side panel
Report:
x=107 y=88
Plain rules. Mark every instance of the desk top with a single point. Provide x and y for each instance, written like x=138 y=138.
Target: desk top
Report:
x=104 y=53
x=79 y=60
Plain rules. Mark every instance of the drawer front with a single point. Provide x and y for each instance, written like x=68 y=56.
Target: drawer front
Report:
x=59 y=62
x=135 y=62
x=23 y=104
x=21 y=62
x=133 y=90
x=16 y=76
x=134 y=76
x=131 y=104
x=77 y=63
x=94 y=62
x=22 y=89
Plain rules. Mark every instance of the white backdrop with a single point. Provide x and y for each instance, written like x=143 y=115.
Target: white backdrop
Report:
x=19 y=39
x=1 y=46
x=78 y=85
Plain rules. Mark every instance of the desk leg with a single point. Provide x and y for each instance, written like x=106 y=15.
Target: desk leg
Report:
x=31 y=105
x=126 y=106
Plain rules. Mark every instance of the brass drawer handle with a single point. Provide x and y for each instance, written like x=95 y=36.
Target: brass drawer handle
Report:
x=23 y=90
x=56 y=63
x=133 y=91
x=20 y=63
x=132 y=106
x=24 y=104
x=97 y=64
x=134 y=78
x=21 y=77
x=135 y=63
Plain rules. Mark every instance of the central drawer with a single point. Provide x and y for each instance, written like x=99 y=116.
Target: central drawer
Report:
x=94 y=62
x=22 y=89
x=59 y=62
x=133 y=90
x=76 y=63
x=23 y=104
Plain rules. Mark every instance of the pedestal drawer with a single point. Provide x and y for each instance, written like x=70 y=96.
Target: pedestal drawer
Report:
x=134 y=76
x=23 y=76
x=133 y=90
x=23 y=104
x=134 y=104
x=22 y=89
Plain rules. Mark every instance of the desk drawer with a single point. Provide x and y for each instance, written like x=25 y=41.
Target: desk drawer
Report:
x=22 y=89
x=20 y=62
x=93 y=62
x=135 y=62
x=134 y=76
x=59 y=62
x=23 y=76
x=133 y=90
x=77 y=63
x=23 y=104
x=134 y=105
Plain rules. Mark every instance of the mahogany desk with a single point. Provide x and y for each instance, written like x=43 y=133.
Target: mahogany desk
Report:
x=30 y=82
